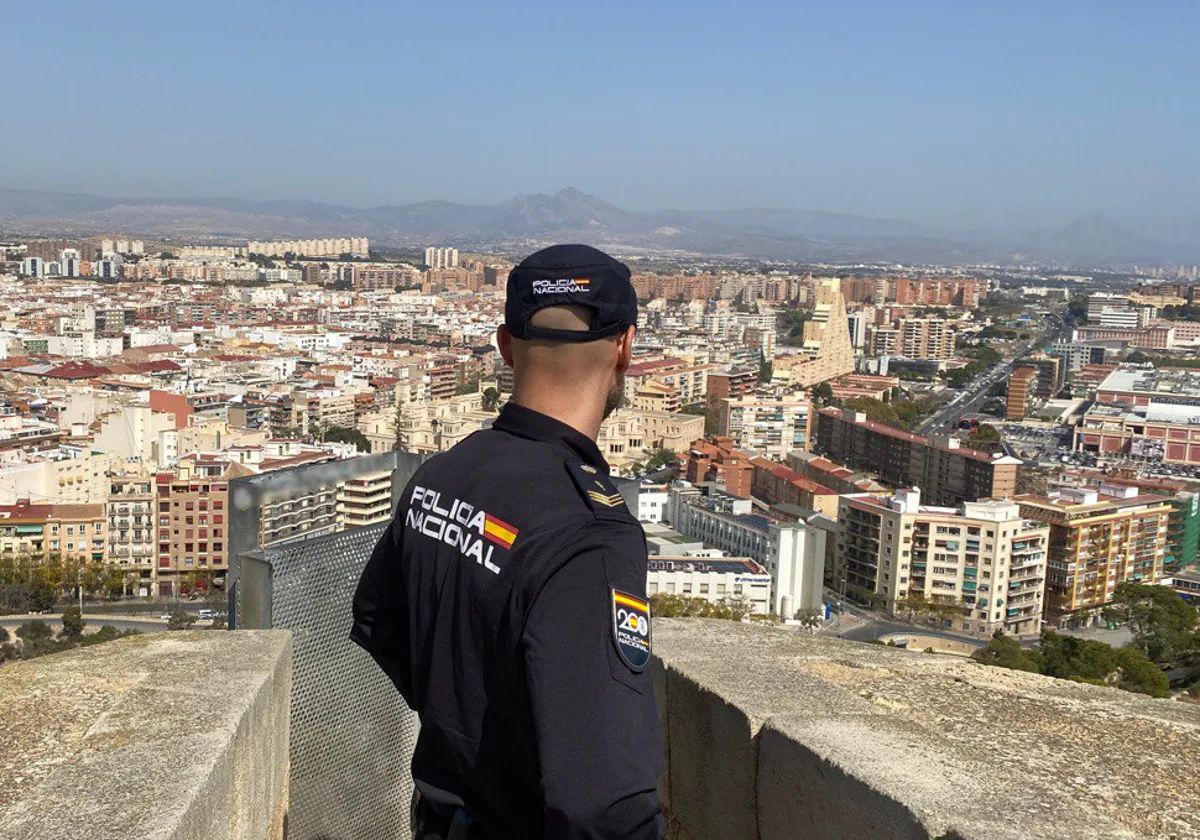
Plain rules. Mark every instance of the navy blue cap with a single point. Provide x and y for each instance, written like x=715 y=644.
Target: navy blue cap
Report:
x=570 y=275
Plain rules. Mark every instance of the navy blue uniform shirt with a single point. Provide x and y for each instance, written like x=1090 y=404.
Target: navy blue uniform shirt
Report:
x=507 y=604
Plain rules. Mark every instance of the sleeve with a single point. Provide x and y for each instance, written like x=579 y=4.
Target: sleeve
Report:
x=594 y=713
x=380 y=609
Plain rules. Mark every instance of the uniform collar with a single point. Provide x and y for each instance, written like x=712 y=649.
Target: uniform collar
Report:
x=527 y=423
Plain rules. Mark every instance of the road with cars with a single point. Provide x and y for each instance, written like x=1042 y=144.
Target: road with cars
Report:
x=971 y=399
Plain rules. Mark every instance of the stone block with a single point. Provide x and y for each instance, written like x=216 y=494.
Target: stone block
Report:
x=713 y=761
x=857 y=740
x=180 y=736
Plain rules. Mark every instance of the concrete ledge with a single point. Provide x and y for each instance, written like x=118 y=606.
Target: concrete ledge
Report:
x=776 y=734
x=180 y=736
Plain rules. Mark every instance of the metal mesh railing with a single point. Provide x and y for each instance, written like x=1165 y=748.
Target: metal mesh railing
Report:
x=352 y=736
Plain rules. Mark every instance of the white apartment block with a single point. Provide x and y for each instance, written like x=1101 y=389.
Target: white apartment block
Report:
x=356 y=246
x=437 y=258
x=793 y=553
x=984 y=558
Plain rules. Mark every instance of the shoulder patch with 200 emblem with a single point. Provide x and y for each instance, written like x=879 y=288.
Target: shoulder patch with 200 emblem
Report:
x=631 y=629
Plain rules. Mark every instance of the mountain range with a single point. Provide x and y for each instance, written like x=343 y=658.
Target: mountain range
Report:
x=570 y=214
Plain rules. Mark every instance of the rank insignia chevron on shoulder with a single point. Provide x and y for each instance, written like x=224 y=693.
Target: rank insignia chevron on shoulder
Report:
x=595 y=486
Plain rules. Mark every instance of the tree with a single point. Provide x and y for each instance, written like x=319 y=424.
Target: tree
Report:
x=766 y=369
x=822 y=394
x=491 y=399
x=34 y=631
x=985 y=438
x=659 y=459
x=810 y=619
x=1082 y=660
x=180 y=620
x=1162 y=623
x=1005 y=652
x=73 y=623
x=708 y=412
x=1139 y=674
x=345 y=434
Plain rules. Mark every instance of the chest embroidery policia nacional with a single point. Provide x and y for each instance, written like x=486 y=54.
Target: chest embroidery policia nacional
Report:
x=474 y=532
x=631 y=629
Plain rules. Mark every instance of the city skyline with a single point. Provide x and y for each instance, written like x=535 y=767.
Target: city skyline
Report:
x=948 y=117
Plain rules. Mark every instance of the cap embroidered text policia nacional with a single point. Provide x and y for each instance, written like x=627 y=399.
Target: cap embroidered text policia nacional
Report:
x=564 y=275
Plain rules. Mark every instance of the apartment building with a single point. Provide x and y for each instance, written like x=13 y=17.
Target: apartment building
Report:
x=717 y=460
x=776 y=484
x=1183 y=527
x=357 y=246
x=926 y=338
x=956 y=291
x=193 y=505
x=793 y=553
x=946 y=472
x=440 y=258
x=982 y=558
x=828 y=351
x=1099 y=538
x=766 y=426
x=364 y=500
x=436 y=426
x=131 y=531
x=1050 y=372
x=73 y=532
x=1021 y=385
x=885 y=341
x=1152 y=337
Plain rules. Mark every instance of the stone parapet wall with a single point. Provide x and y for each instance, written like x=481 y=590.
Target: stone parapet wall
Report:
x=172 y=736
x=775 y=734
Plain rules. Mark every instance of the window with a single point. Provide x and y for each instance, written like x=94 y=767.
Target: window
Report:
x=164 y=507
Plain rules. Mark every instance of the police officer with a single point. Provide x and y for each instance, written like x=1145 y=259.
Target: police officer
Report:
x=507 y=599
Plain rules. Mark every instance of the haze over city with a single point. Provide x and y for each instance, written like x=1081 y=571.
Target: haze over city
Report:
x=638 y=421
x=954 y=116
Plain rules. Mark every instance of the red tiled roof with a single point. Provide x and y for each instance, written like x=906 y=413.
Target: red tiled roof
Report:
x=76 y=370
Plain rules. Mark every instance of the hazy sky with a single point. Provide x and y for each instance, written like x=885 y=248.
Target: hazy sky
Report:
x=959 y=114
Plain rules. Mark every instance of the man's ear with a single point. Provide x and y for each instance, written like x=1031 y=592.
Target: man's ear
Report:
x=504 y=341
x=625 y=349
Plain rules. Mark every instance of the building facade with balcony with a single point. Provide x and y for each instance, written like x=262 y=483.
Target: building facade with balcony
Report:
x=984 y=559
x=364 y=500
x=1099 y=538
x=131 y=512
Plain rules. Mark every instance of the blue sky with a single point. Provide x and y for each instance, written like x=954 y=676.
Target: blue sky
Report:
x=953 y=114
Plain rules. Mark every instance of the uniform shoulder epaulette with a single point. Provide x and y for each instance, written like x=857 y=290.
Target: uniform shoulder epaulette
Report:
x=595 y=487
